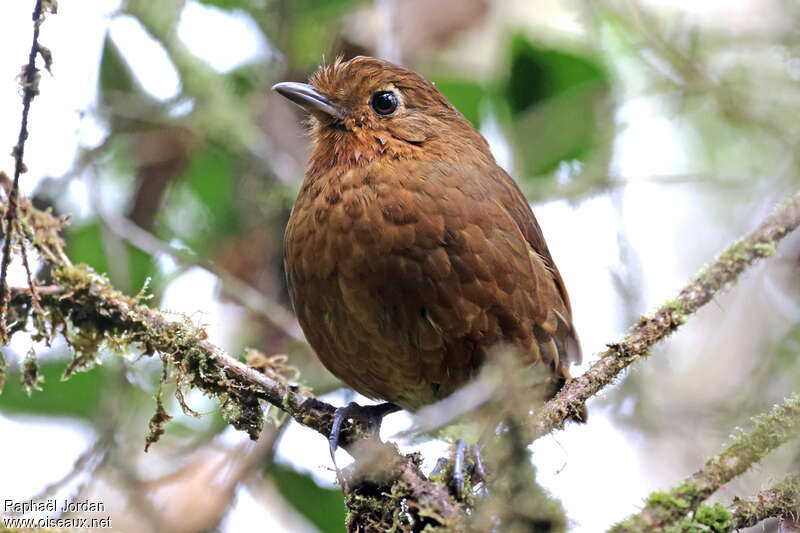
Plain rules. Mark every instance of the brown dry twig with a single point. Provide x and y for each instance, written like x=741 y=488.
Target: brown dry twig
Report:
x=29 y=80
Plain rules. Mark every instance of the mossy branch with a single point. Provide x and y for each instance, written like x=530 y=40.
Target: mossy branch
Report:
x=780 y=501
x=666 y=508
x=652 y=328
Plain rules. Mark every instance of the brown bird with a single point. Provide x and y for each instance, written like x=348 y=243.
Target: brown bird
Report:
x=410 y=253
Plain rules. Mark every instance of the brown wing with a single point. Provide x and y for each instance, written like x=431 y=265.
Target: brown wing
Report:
x=493 y=274
x=519 y=209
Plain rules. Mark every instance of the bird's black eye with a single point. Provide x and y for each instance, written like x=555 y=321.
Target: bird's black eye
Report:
x=384 y=102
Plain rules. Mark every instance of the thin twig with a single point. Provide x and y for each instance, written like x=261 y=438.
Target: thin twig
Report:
x=30 y=87
x=650 y=329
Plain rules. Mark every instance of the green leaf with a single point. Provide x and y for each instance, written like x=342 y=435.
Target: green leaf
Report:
x=465 y=95
x=244 y=80
x=79 y=396
x=85 y=245
x=538 y=73
x=322 y=507
x=553 y=97
x=323 y=8
x=140 y=267
x=115 y=74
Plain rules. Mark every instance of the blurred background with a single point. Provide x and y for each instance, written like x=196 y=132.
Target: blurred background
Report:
x=647 y=134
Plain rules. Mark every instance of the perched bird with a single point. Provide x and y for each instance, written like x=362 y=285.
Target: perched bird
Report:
x=410 y=253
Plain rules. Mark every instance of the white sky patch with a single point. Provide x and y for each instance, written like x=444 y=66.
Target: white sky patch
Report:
x=195 y=294
x=648 y=143
x=582 y=241
x=56 y=115
x=594 y=470
x=150 y=64
x=498 y=144
x=226 y=39
x=93 y=131
x=41 y=451
x=659 y=246
x=270 y=513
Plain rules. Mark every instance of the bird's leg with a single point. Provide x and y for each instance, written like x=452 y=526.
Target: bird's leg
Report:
x=474 y=468
x=368 y=416
x=458 y=468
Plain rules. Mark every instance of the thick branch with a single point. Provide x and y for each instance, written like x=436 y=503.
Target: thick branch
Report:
x=721 y=274
x=665 y=508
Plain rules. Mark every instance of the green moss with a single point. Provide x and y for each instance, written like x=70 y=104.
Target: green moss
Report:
x=716 y=518
x=781 y=500
x=677 y=311
x=384 y=501
x=673 y=504
x=764 y=249
x=671 y=507
x=287 y=406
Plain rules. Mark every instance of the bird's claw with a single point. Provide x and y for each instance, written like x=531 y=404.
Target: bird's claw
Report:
x=368 y=416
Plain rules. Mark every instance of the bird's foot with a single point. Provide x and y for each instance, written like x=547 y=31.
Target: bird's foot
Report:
x=472 y=466
x=368 y=417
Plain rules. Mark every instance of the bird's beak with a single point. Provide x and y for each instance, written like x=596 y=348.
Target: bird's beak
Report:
x=308 y=97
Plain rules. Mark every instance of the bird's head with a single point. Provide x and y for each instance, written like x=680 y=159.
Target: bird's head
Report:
x=366 y=108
